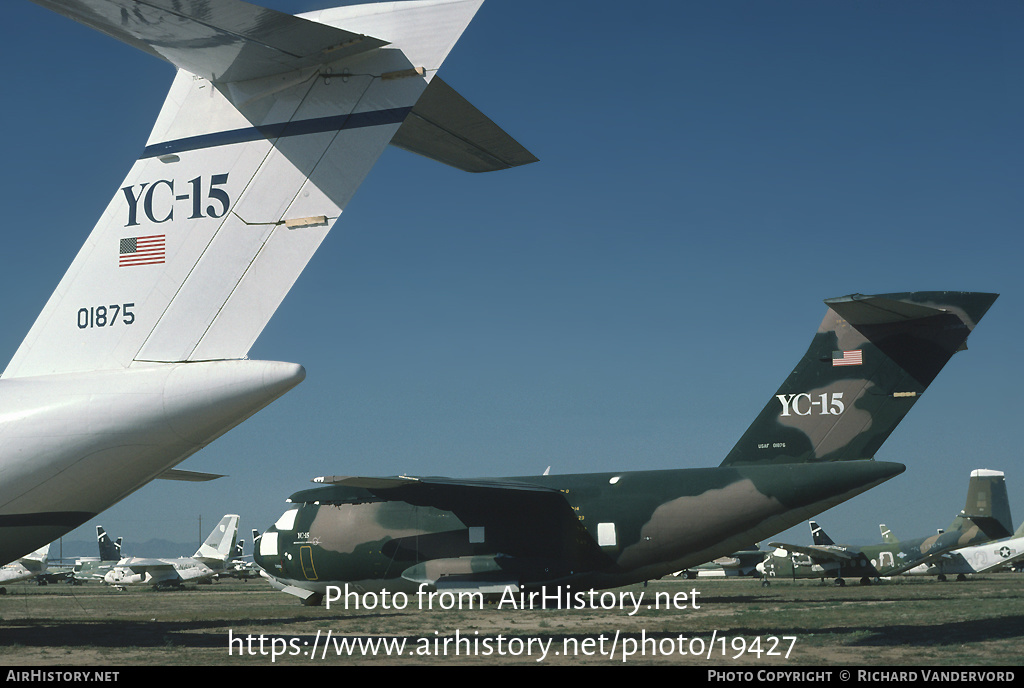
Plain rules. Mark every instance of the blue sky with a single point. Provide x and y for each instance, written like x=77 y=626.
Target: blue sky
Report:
x=709 y=173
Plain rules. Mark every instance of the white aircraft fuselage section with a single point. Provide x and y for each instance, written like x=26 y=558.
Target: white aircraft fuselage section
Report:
x=73 y=444
x=138 y=359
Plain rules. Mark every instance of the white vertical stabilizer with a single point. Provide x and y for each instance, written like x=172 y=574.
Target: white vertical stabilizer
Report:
x=237 y=186
x=138 y=359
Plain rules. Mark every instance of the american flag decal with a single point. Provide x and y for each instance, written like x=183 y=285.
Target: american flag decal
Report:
x=844 y=358
x=147 y=250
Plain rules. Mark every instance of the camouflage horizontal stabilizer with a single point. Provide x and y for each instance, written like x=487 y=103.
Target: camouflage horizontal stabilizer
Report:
x=869 y=362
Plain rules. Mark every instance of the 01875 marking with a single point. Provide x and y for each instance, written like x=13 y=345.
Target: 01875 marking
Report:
x=105 y=316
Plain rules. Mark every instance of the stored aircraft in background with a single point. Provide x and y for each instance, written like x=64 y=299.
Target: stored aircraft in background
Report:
x=95 y=568
x=741 y=563
x=139 y=357
x=986 y=558
x=29 y=566
x=241 y=565
x=214 y=556
x=986 y=516
x=811 y=448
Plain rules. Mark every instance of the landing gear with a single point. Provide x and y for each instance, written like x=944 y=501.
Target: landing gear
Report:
x=841 y=582
x=866 y=580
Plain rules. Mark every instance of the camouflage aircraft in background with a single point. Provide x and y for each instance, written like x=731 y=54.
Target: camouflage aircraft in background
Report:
x=986 y=558
x=986 y=516
x=811 y=448
x=213 y=557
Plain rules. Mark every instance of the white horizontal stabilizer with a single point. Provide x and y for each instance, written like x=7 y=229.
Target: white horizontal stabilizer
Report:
x=226 y=40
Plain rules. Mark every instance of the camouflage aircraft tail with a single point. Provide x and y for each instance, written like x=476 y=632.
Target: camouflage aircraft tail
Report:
x=888 y=537
x=986 y=515
x=869 y=362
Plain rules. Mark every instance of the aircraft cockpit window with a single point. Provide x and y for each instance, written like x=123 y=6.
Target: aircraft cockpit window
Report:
x=287 y=520
x=268 y=545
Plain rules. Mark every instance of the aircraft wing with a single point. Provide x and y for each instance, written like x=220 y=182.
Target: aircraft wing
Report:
x=141 y=564
x=229 y=40
x=188 y=476
x=1008 y=559
x=914 y=562
x=154 y=571
x=819 y=553
x=545 y=526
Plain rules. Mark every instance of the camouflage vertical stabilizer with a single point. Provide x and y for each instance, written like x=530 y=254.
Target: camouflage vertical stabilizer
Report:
x=869 y=362
x=986 y=515
x=888 y=537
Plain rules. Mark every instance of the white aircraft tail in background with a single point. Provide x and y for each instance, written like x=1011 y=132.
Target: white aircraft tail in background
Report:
x=138 y=359
x=212 y=558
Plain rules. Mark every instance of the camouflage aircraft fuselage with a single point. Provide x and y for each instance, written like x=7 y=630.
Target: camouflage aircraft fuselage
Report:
x=616 y=528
